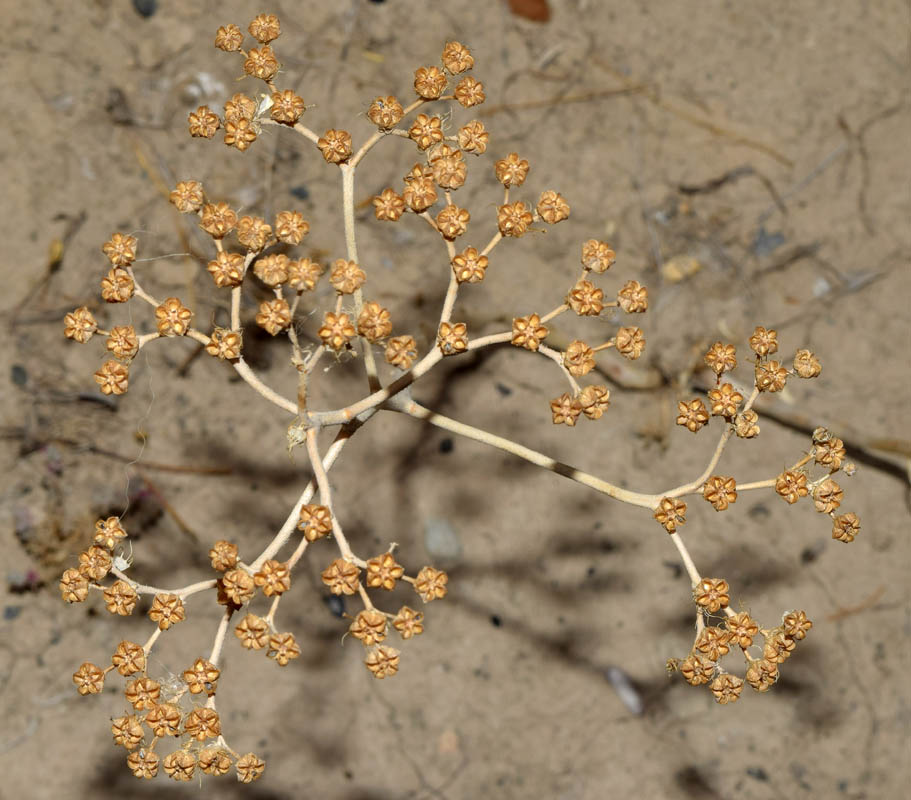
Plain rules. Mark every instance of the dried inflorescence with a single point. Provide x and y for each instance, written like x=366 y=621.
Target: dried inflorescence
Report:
x=174 y=726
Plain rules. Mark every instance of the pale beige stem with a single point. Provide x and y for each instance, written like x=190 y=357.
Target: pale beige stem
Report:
x=219 y=642
x=419 y=412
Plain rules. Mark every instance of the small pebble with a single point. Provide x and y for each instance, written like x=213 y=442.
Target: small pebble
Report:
x=441 y=541
x=145 y=8
x=625 y=690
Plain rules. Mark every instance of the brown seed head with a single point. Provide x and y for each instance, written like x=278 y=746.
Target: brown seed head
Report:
x=512 y=170
x=274 y=577
x=429 y=82
x=315 y=521
x=844 y=528
x=791 y=486
x=265 y=28
x=303 y=273
x=383 y=661
x=764 y=342
x=109 y=532
x=240 y=133
x=469 y=92
x=594 y=400
x=172 y=318
x=287 y=107
x=633 y=298
x=724 y=401
x=806 y=364
x=291 y=227
x=346 y=276
x=585 y=299
x=249 y=768
x=770 y=376
x=123 y=342
x=336 y=331
x=229 y=38
x=528 y=332
x=385 y=112
x=202 y=724
x=253 y=632
x=112 y=378
x=88 y=679
x=552 y=207
x=713 y=643
x=224 y=344
x=720 y=491
x=425 y=131
x=565 y=409
x=712 y=594
x=164 y=719
x=473 y=137
x=274 y=316
x=827 y=496
x=127 y=732
x=408 y=622
x=253 y=233
x=401 y=351
x=383 y=572
x=456 y=58
x=223 y=555
x=143 y=763
x=630 y=342
x=469 y=267
x=697 y=670
x=74 y=587
x=727 y=688
x=796 y=625
x=202 y=677
x=214 y=761
x=95 y=563
x=692 y=415
x=283 y=648
x=388 y=206
x=218 y=219
x=238 y=586
x=452 y=338
x=579 y=358
x=369 y=627
x=179 y=765
x=721 y=358
x=597 y=256
x=742 y=628
x=120 y=249
x=167 y=610
x=745 y=424
x=513 y=219
x=261 y=63
x=80 y=324
x=117 y=286
x=120 y=598
x=670 y=513
x=129 y=658
x=374 y=322
x=430 y=584
x=452 y=222
x=342 y=577
x=203 y=123
x=335 y=145
x=142 y=693
x=187 y=196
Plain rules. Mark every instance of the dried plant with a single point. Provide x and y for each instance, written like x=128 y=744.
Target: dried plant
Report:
x=249 y=248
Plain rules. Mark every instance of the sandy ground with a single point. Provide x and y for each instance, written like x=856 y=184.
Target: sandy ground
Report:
x=764 y=143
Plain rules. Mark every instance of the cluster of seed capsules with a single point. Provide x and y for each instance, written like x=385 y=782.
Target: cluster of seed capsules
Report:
x=711 y=595
x=182 y=707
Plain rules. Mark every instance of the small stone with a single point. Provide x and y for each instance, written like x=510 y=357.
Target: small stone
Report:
x=441 y=541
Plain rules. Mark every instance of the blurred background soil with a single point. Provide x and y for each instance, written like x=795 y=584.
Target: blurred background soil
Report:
x=749 y=164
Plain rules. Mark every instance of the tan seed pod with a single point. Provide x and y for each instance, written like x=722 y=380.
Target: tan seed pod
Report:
x=692 y=415
x=720 y=491
x=670 y=513
x=167 y=610
x=383 y=661
x=249 y=768
x=336 y=146
x=79 y=325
